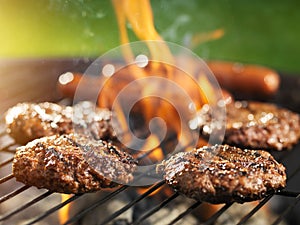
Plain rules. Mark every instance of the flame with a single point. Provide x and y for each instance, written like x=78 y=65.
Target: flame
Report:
x=138 y=14
x=63 y=213
x=162 y=192
x=200 y=38
x=152 y=144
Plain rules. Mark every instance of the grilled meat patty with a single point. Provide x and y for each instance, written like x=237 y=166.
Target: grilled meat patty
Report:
x=72 y=163
x=256 y=125
x=222 y=174
x=28 y=121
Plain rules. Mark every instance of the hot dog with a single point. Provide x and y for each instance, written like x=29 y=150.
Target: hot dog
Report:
x=249 y=80
x=68 y=84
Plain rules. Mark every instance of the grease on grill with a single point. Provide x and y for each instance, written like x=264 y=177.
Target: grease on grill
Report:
x=72 y=164
x=28 y=121
x=256 y=125
x=222 y=174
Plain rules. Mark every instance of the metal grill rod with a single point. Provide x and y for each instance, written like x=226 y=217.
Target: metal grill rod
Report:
x=79 y=215
x=100 y=202
x=288 y=193
x=155 y=209
x=293 y=173
x=254 y=210
x=6 y=162
x=214 y=217
x=50 y=211
x=129 y=205
x=291 y=206
x=57 y=207
x=185 y=213
x=6 y=178
x=13 y=193
x=25 y=206
x=10 y=142
x=7 y=147
x=265 y=200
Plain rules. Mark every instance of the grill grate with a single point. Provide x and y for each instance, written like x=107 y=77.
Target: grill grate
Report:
x=150 y=212
x=7 y=148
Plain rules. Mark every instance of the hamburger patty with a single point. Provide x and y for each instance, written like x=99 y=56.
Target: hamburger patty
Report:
x=222 y=174
x=256 y=125
x=72 y=164
x=28 y=121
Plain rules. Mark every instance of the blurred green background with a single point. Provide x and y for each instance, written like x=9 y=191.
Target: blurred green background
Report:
x=258 y=31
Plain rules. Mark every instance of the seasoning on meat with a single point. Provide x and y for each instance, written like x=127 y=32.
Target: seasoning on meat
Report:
x=28 y=121
x=72 y=163
x=222 y=174
x=256 y=125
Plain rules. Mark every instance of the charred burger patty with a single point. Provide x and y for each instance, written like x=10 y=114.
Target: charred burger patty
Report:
x=72 y=164
x=255 y=125
x=222 y=174
x=28 y=121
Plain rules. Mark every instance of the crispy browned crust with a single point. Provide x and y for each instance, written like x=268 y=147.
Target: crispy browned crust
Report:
x=261 y=126
x=256 y=125
x=28 y=121
x=222 y=174
x=72 y=164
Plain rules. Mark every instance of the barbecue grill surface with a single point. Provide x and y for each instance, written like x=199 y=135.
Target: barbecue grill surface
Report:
x=27 y=205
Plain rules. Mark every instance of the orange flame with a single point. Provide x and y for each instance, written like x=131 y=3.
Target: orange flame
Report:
x=139 y=14
x=200 y=38
x=152 y=144
x=63 y=213
x=161 y=192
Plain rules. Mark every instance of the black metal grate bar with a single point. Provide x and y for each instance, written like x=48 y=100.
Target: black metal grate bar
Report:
x=100 y=202
x=254 y=210
x=6 y=178
x=155 y=209
x=13 y=193
x=8 y=146
x=6 y=162
x=288 y=193
x=214 y=217
x=52 y=210
x=285 y=212
x=11 y=151
x=79 y=215
x=293 y=173
x=129 y=205
x=265 y=200
x=25 y=206
x=185 y=213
